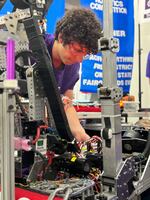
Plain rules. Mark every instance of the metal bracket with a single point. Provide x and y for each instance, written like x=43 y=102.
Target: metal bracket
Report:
x=11 y=20
x=36 y=95
x=111 y=44
x=110 y=93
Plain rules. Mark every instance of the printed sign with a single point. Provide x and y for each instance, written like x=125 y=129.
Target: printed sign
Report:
x=91 y=72
x=144 y=10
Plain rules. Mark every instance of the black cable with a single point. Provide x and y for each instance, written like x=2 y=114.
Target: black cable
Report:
x=142 y=157
x=20 y=4
x=146 y=151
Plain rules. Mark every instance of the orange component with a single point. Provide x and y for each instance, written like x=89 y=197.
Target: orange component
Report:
x=121 y=104
x=128 y=98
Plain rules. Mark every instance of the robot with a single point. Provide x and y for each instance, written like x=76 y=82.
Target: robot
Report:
x=40 y=125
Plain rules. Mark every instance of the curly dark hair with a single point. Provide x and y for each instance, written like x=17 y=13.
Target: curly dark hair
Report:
x=82 y=26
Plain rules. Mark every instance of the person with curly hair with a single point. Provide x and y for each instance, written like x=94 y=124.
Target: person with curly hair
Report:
x=76 y=36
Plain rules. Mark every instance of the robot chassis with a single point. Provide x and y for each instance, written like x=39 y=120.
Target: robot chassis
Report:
x=121 y=178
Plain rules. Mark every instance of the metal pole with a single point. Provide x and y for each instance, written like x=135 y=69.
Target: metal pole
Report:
x=110 y=109
x=7 y=103
x=140 y=53
x=139 y=56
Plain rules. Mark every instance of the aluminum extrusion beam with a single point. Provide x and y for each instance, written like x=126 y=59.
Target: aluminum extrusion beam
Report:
x=7 y=105
x=111 y=117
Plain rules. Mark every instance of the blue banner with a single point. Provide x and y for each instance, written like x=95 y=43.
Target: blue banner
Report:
x=7 y=8
x=91 y=72
x=55 y=12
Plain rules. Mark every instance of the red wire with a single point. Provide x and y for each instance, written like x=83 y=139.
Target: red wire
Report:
x=50 y=156
x=38 y=133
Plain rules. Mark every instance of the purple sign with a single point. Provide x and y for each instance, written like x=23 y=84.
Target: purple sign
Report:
x=147 y=4
x=147 y=16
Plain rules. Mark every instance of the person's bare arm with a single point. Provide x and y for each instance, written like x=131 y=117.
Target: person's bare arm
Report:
x=74 y=123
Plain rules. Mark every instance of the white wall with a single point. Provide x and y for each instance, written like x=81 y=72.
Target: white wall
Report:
x=145 y=46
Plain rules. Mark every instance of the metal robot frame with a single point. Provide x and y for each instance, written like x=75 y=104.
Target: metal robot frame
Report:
x=117 y=173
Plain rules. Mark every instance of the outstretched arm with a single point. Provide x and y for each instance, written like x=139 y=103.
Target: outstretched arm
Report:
x=74 y=123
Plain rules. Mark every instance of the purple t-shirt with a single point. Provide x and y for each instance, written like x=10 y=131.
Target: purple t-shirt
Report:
x=68 y=75
x=148 y=66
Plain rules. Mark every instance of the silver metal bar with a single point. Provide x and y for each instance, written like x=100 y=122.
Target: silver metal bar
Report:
x=112 y=155
x=36 y=96
x=7 y=102
x=18 y=15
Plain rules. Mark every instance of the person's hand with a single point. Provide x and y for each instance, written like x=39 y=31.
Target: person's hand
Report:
x=85 y=137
